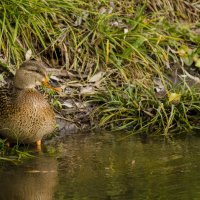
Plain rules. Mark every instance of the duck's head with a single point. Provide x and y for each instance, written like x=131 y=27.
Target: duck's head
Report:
x=29 y=75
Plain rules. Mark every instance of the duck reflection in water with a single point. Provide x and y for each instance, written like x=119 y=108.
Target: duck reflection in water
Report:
x=34 y=180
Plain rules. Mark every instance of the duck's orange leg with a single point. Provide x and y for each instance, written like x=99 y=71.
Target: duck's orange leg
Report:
x=38 y=145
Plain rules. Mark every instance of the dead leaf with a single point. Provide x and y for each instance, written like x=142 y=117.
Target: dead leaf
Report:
x=28 y=54
x=87 y=90
x=81 y=105
x=159 y=87
x=102 y=10
x=97 y=77
x=68 y=104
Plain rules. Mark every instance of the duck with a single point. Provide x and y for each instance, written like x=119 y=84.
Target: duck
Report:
x=25 y=114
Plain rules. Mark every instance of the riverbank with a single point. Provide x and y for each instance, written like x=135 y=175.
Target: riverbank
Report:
x=128 y=65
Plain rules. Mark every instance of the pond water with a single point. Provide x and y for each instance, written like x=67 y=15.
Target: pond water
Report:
x=102 y=166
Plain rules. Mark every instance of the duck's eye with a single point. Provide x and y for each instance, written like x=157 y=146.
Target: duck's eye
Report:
x=37 y=71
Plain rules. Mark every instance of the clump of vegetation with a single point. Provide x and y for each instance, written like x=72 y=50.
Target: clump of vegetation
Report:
x=146 y=54
x=14 y=154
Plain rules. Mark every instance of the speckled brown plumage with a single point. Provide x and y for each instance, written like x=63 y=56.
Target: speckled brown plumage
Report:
x=25 y=115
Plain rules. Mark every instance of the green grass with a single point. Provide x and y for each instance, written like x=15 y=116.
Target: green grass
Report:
x=136 y=109
x=144 y=48
x=14 y=154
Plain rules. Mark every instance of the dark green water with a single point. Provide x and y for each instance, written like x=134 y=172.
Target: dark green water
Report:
x=96 y=167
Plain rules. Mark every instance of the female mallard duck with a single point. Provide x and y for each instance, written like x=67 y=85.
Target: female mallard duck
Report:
x=25 y=115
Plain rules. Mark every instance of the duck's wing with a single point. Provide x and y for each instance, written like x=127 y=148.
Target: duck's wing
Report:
x=7 y=102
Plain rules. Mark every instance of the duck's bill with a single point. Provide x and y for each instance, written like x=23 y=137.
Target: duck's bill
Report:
x=47 y=83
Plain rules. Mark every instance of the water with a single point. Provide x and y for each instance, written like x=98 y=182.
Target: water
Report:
x=95 y=167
